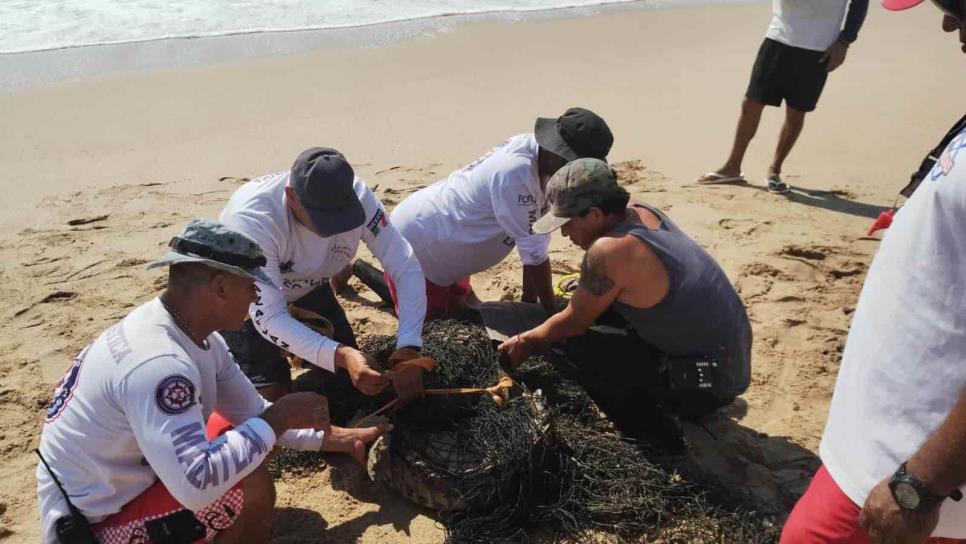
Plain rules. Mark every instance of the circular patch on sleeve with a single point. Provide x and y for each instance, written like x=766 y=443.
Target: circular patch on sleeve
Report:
x=175 y=394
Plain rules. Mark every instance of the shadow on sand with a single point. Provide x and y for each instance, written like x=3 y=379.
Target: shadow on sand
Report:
x=772 y=469
x=833 y=200
x=304 y=526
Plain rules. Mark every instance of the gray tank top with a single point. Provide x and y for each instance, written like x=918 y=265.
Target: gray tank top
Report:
x=701 y=313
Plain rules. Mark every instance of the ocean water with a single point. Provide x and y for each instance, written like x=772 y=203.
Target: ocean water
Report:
x=37 y=25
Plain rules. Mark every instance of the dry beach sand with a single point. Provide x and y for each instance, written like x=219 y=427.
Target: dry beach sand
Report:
x=133 y=155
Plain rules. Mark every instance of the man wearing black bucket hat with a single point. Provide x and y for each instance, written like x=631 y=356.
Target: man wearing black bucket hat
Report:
x=473 y=219
x=124 y=446
x=309 y=221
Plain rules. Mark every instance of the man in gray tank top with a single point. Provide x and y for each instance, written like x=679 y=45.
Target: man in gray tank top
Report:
x=684 y=346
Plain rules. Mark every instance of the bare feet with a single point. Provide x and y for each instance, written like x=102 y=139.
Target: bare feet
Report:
x=352 y=441
x=341 y=280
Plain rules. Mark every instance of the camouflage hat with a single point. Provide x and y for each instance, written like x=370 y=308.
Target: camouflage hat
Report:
x=213 y=244
x=574 y=189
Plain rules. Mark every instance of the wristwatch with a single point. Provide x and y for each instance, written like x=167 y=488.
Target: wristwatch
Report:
x=910 y=494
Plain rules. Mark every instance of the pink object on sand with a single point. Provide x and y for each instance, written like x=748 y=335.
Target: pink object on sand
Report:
x=899 y=5
x=882 y=222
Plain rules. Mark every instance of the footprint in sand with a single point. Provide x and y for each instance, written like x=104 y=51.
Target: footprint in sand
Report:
x=813 y=253
x=827 y=259
x=742 y=227
x=131 y=261
x=233 y=179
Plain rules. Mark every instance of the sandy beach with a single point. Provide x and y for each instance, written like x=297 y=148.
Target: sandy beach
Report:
x=99 y=172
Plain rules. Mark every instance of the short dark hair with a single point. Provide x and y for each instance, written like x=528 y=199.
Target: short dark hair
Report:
x=612 y=205
x=190 y=274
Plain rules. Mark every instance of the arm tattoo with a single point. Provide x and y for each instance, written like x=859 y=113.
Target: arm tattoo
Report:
x=593 y=274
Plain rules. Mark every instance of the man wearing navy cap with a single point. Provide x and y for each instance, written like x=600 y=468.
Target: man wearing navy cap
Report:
x=309 y=221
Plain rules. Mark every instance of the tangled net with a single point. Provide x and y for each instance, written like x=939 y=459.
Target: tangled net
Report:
x=546 y=464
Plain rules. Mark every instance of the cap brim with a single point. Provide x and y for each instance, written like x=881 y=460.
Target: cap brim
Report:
x=899 y=5
x=176 y=258
x=545 y=131
x=549 y=223
x=331 y=222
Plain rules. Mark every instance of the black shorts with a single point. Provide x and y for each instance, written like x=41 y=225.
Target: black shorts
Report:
x=783 y=72
x=262 y=361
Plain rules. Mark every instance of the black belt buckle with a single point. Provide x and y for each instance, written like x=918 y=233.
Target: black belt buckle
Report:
x=697 y=373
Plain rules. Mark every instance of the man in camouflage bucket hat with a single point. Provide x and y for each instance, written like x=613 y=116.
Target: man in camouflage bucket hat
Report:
x=677 y=341
x=216 y=246
x=126 y=431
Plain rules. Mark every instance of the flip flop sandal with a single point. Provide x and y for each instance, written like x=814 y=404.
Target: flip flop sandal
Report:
x=714 y=178
x=777 y=186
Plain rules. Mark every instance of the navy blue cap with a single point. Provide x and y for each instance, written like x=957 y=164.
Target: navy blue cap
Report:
x=322 y=180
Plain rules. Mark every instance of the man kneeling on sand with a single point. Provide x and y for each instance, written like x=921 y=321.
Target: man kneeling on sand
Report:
x=683 y=342
x=125 y=433
x=472 y=220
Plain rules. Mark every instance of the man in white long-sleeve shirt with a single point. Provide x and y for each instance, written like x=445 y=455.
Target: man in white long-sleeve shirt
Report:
x=125 y=432
x=473 y=219
x=309 y=222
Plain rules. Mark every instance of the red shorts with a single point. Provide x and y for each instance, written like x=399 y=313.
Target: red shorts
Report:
x=441 y=300
x=127 y=526
x=825 y=515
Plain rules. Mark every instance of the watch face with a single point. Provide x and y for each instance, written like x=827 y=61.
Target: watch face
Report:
x=906 y=495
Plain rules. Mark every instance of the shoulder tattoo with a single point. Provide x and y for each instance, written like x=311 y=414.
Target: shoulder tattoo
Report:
x=593 y=273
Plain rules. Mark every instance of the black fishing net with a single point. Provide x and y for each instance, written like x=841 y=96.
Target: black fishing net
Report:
x=545 y=466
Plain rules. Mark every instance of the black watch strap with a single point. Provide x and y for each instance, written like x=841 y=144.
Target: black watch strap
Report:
x=927 y=499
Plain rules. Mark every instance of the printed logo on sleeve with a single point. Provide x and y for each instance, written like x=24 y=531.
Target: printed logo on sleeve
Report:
x=526 y=200
x=947 y=160
x=377 y=223
x=175 y=394
x=64 y=390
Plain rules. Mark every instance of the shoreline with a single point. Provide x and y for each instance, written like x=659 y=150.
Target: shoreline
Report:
x=669 y=82
x=73 y=63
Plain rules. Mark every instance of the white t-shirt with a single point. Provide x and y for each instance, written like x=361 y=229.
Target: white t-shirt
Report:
x=809 y=24
x=470 y=221
x=132 y=409
x=904 y=365
x=299 y=260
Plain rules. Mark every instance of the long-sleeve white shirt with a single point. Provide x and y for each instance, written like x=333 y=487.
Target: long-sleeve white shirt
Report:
x=132 y=410
x=299 y=260
x=472 y=220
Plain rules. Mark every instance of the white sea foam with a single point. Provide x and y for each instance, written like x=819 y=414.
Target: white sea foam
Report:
x=34 y=25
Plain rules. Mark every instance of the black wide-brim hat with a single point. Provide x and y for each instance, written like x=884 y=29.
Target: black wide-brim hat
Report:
x=578 y=133
x=323 y=181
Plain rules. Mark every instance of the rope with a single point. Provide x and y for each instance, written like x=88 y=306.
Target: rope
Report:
x=500 y=393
